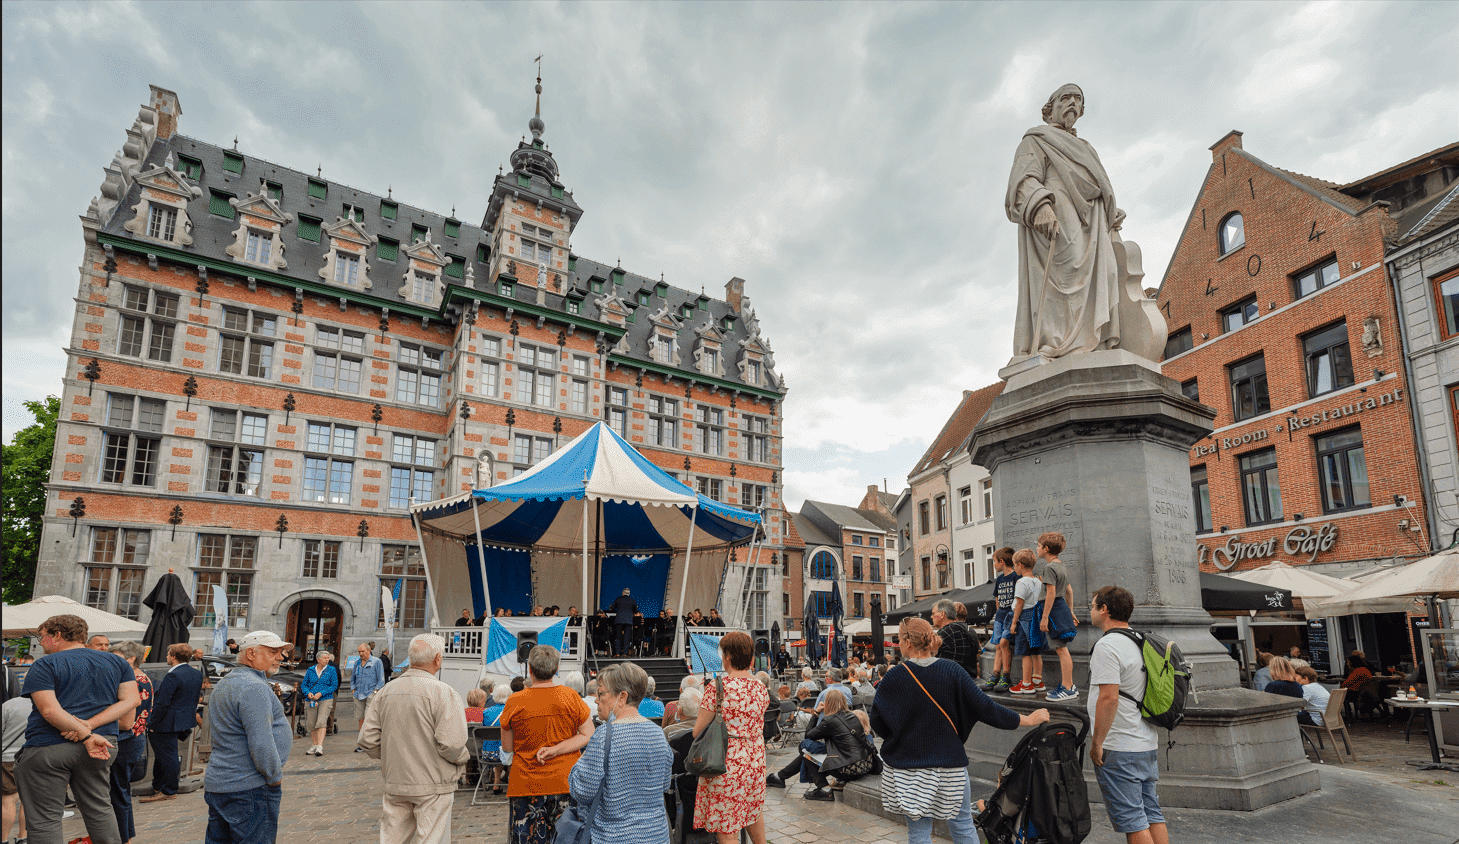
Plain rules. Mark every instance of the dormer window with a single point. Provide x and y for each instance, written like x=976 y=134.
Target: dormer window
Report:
x=687 y=311
x=574 y=307
x=709 y=362
x=727 y=324
x=347 y=269
x=597 y=285
x=353 y=212
x=190 y=167
x=505 y=288
x=232 y=162
x=420 y=288
x=275 y=191
x=752 y=372
x=1232 y=233
x=161 y=222
x=388 y=210
x=663 y=349
x=417 y=233
x=453 y=228
x=260 y=245
x=643 y=297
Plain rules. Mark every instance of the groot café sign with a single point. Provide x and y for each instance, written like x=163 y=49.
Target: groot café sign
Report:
x=1300 y=541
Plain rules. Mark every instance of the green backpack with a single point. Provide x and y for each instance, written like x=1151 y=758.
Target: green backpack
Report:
x=1167 y=679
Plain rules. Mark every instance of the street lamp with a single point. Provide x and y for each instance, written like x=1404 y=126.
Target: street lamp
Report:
x=942 y=553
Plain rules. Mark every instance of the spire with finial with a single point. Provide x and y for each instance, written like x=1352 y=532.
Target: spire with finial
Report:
x=389 y=191
x=319 y=171
x=235 y=143
x=536 y=124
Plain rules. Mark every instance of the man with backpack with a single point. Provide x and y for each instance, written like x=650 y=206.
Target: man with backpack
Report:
x=1123 y=746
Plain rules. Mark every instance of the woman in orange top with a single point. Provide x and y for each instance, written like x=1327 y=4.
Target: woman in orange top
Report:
x=1358 y=672
x=544 y=728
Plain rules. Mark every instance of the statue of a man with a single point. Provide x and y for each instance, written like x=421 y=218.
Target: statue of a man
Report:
x=1072 y=267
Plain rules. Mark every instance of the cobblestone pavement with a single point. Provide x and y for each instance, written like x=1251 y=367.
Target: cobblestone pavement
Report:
x=335 y=798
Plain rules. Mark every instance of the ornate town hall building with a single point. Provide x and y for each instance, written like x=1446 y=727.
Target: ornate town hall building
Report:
x=267 y=367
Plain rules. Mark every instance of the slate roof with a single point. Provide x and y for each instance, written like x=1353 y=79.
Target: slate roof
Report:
x=811 y=535
x=212 y=234
x=1446 y=154
x=1428 y=217
x=954 y=434
x=850 y=518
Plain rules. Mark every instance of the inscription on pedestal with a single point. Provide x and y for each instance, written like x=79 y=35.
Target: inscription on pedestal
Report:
x=1036 y=508
x=1172 y=537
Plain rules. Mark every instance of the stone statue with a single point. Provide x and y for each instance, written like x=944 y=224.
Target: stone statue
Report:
x=1079 y=284
x=484 y=477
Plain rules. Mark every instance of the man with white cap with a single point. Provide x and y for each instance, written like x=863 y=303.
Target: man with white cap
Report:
x=243 y=786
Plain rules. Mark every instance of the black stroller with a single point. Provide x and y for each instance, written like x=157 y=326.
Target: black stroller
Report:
x=1041 y=796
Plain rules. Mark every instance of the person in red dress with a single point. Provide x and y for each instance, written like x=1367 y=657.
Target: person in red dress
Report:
x=735 y=800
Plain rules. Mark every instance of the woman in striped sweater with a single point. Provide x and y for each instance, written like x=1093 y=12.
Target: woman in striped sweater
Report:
x=631 y=808
x=924 y=710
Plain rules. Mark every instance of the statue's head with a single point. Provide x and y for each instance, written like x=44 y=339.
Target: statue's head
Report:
x=1065 y=106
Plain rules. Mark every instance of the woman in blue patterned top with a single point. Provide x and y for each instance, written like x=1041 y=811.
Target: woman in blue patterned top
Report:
x=631 y=808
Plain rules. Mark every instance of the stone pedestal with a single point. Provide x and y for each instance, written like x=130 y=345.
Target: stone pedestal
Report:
x=1095 y=447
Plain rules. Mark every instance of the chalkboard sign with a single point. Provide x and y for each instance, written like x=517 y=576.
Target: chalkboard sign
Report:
x=1317 y=645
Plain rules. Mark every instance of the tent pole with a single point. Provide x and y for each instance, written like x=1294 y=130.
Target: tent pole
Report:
x=585 y=641
x=598 y=562
x=684 y=584
x=481 y=557
x=435 y=616
x=750 y=568
x=481 y=563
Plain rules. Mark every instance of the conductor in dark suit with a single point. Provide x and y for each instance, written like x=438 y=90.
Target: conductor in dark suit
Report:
x=624 y=608
x=174 y=714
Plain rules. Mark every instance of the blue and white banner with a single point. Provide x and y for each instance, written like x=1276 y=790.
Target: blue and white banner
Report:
x=704 y=654
x=502 y=639
x=220 y=622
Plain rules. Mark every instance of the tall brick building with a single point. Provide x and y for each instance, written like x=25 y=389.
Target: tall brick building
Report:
x=268 y=366
x=1282 y=318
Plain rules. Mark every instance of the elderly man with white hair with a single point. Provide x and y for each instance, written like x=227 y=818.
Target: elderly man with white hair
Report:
x=422 y=751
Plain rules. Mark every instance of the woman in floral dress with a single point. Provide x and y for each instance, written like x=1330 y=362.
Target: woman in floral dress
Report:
x=735 y=800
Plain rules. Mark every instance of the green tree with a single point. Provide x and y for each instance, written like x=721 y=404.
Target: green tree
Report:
x=26 y=467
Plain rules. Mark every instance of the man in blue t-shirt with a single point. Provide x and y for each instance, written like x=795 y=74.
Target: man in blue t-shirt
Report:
x=81 y=697
x=1003 y=585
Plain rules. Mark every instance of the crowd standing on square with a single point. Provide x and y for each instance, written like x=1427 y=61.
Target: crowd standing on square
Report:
x=604 y=750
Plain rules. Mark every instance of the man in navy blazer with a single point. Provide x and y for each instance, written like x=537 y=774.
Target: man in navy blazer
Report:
x=174 y=714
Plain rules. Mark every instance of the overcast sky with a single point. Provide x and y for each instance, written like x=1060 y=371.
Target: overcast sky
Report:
x=848 y=160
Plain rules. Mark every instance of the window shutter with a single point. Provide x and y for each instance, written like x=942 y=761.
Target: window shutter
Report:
x=387 y=250
x=190 y=167
x=481 y=252
x=232 y=162
x=557 y=192
x=387 y=210
x=457 y=267
x=572 y=263
x=308 y=229
x=453 y=228
x=318 y=189
x=524 y=181
x=417 y=233
x=218 y=204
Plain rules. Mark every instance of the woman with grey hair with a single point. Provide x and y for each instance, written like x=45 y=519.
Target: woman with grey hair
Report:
x=131 y=744
x=544 y=727
x=631 y=760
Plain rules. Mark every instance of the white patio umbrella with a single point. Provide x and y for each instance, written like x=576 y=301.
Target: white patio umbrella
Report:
x=23 y=619
x=859 y=627
x=1309 y=586
x=1398 y=589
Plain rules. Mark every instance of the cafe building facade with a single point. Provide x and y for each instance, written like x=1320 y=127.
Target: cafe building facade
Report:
x=1282 y=318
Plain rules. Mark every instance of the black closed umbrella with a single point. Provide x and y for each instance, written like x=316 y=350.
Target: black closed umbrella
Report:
x=812 y=633
x=172 y=614
x=878 y=632
x=837 y=646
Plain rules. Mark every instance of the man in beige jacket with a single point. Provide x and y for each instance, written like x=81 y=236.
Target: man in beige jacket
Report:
x=416 y=727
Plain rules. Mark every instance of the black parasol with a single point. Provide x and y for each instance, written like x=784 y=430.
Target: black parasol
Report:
x=1219 y=592
x=812 y=633
x=878 y=631
x=172 y=614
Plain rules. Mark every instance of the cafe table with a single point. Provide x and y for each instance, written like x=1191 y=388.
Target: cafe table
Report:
x=1428 y=707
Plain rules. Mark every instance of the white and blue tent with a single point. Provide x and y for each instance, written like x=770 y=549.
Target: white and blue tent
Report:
x=593 y=515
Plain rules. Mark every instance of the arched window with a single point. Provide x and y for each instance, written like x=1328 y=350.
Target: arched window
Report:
x=1233 y=233
x=823 y=565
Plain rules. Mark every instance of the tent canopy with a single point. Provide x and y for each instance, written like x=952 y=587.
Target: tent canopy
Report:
x=980 y=600
x=23 y=619
x=642 y=508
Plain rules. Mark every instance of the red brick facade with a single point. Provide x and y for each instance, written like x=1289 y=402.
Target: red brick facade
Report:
x=1292 y=224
